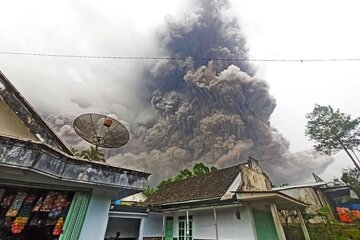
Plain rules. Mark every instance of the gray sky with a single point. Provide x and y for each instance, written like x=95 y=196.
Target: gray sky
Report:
x=274 y=29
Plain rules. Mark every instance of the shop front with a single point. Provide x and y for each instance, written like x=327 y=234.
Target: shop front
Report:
x=36 y=213
x=29 y=212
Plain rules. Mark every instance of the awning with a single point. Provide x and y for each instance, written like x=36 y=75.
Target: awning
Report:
x=281 y=200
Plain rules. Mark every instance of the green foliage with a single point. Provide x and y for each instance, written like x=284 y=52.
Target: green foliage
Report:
x=324 y=213
x=183 y=174
x=148 y=191
x=332 y=130
x=307 y=215
x=198 y=170
x=213 y=169
x=164 y=182
x=352 y=178
x=92 y=154
x=75 y=151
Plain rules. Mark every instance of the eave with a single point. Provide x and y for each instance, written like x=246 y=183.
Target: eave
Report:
x=282 y=201
x=43 y=159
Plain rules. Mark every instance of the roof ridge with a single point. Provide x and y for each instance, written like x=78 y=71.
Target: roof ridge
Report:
x=209 y=185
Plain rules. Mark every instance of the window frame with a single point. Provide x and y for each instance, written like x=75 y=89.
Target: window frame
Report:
x=182 y=228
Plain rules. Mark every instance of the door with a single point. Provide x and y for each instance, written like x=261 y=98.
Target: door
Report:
x=264 y=225
x=169 y=228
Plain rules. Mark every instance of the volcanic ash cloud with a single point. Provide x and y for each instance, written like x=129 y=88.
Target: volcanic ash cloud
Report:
x=215 y=112
x=209 y=110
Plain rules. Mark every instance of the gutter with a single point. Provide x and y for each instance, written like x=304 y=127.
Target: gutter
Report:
x=184 y=202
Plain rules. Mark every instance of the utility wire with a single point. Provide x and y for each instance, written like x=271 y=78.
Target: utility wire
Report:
x=179 y=58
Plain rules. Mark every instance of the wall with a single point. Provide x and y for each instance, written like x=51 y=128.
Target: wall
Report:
x=11 y=125
x=309 y=196
x=96 y=217
x=253 y=180
x=153 y=225
x=229 y=228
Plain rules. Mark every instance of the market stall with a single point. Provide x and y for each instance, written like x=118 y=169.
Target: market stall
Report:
x=29 y=213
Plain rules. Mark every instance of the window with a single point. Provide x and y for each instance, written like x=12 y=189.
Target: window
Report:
x=183 y=228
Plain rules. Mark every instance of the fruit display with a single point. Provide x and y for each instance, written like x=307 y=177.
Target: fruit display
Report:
x=58 y=206
x=60 y=223
x=19 y=224
x=38 y=204
x=16 y=204
x=58 y=226
x=48 y=202
x=24 y=214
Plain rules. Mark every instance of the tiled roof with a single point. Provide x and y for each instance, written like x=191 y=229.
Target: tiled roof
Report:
x=208 y=186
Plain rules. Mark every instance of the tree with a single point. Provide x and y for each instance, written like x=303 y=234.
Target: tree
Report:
x=333 y=131
x=183 y=174
x=92 y=154
x=198 y=170
x=352 y=178
x=148 y=190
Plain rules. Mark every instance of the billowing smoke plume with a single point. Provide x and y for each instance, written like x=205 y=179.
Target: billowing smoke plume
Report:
x=209 y=110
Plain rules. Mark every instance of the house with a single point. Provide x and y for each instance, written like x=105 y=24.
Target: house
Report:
x=231 y=203
x=339 y=198
x=308 y=193
x=45 y=191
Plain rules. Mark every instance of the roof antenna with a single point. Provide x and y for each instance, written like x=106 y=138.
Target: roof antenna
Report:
x=101 y=131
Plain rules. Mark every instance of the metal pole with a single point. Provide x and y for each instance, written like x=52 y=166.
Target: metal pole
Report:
x=216 y=226
x=187 y=226
x=303 y=226
x=278 y=226
x=163 y=228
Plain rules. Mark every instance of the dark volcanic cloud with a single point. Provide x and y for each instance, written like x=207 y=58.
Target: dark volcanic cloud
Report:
x=209 y=110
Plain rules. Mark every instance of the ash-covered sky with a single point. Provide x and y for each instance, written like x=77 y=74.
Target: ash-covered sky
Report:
x=276 y=29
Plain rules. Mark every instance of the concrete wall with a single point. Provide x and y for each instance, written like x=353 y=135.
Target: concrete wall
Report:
x=308 y=195
x=229 y=228
x=11 y=125
x=96 y=217
x=253 y=180
x=153 y=225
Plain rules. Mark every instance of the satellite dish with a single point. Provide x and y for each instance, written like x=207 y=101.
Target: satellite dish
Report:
x=101 y=130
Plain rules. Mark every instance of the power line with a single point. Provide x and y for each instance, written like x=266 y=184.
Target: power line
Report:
x=180 y=58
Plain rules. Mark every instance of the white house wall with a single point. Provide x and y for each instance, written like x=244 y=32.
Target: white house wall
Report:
x=153 y=225
x=229 y=228
x=11 y=125
x=97 y=215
